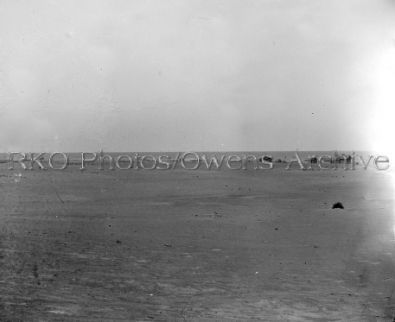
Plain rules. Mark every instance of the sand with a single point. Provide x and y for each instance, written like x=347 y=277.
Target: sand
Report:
x=196 y=245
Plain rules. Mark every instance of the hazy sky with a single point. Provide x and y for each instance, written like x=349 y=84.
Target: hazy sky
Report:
x=196 y=75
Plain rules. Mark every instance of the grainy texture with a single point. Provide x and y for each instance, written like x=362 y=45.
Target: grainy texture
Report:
x=196 y=245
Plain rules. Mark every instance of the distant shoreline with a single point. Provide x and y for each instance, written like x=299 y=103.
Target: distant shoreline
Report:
x=305 y=160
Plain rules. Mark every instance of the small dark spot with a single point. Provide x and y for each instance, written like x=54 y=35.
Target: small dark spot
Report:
x=337 y=205
x=118 y=241
x=315 y=246
x=35 y=271
x=276 y=228
x=109 y=225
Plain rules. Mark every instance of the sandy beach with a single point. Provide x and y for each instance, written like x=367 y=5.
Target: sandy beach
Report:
x=197 y=160
x=196 y=245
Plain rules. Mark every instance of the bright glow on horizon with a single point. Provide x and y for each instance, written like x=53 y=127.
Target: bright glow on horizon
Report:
x=382 y=124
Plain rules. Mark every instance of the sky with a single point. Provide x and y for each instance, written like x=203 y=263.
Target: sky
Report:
x=197 y=75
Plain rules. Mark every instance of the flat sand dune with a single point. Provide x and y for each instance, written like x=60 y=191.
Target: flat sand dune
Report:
x=196 y=245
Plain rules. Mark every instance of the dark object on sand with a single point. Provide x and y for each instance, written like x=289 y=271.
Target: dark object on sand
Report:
x=313 y=160
x=337 y=205
x=267 y=158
